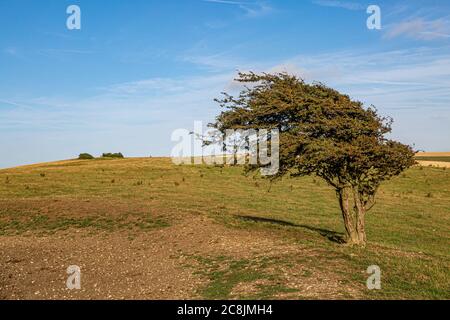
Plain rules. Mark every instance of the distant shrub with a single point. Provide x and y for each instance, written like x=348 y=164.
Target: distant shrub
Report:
x=85 y=156
x=113 y=155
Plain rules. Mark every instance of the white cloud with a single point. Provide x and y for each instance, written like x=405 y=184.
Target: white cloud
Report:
x=212 y=62
x=420 y=29
x=340 y=4
x=411 y=85
x=252 y=9
x=12 y=51
x=142 y=103
x=61 y=54
x=417 y=77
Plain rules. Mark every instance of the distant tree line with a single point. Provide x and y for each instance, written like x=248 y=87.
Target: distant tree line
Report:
x=87 y=156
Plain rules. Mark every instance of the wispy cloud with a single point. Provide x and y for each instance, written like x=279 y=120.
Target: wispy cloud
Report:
x=201 y=56
x=340 y=4
x=212 y=62
x=62 y=53
x=11 y=51
x=143 y=102
x=410 y=84
x=420 y=29
x=415 y=77
x=252 y=9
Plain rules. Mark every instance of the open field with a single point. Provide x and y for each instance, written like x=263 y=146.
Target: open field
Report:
x=145 y=228
x=439 y=164
x=433 y=154
x=434 y=159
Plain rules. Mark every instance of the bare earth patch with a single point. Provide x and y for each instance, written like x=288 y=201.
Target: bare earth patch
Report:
x=151 y=265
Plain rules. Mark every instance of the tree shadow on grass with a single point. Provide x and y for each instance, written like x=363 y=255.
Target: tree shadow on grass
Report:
x=333 y=236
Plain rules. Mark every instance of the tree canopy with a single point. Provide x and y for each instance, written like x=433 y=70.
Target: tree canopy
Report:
x=324 y=133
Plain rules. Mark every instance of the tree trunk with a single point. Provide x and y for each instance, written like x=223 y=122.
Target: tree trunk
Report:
x=347 y=214
x=354 y=218
x=360 y=227
x=360 y=211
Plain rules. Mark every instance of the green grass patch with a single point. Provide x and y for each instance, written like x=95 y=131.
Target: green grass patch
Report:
x=44 y=224
x=408 y=229
x=225 y=274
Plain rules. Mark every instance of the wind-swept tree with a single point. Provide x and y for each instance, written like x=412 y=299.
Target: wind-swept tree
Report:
x=324 y=133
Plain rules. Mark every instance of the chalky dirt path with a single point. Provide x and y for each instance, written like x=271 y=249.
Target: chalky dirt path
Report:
x=157 y=264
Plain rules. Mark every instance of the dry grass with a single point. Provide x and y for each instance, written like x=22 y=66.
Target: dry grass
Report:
x=433 y=154
x=438 y=164
x=144 y=228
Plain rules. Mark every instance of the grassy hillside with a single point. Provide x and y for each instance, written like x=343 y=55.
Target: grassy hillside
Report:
x=215 y=232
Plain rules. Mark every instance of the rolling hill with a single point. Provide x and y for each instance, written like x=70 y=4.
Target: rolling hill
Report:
x=143 y=228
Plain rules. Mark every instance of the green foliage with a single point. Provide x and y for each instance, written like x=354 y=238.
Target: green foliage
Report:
x=85 y=156
x=322 y=133
x=113 y=155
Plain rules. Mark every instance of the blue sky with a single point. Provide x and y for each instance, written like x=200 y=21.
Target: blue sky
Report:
x=137 y=70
